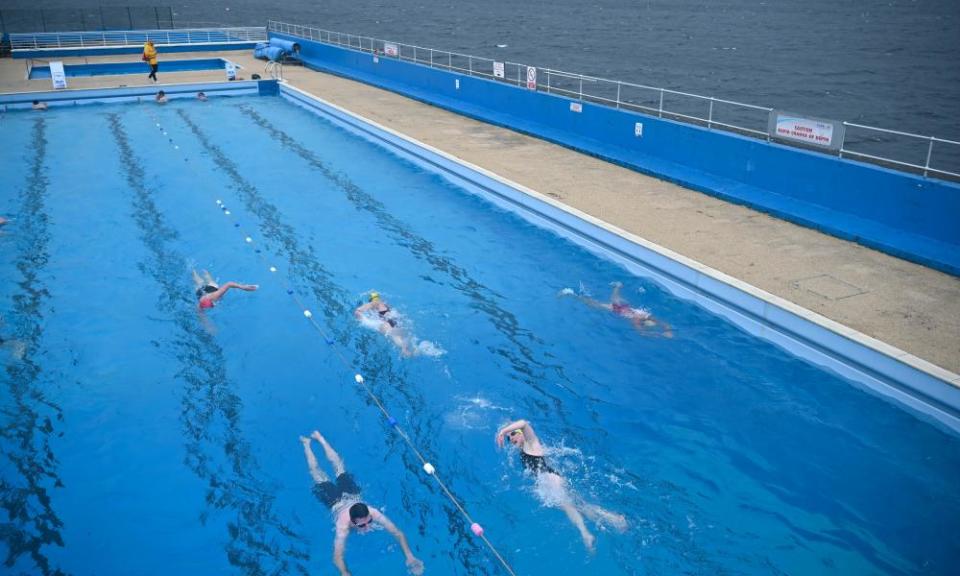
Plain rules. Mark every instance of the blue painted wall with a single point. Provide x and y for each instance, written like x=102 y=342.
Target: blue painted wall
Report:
x=139 y=67
x=909 y=216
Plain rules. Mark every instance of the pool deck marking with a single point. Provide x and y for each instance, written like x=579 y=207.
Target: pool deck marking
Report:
x=912 y=307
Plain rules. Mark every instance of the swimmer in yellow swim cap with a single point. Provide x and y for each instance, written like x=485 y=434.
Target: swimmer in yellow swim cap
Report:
x=389 y=324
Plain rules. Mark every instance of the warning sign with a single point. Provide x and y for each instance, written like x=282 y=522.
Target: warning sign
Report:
x=531 y=78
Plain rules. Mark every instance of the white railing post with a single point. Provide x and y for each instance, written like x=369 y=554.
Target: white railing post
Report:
x=581 y=87
x=926 y=165
x=431 y=57
x=618 y=95
x=548 y=80
x=470 y=64
x=660 y=109
x=710 y=115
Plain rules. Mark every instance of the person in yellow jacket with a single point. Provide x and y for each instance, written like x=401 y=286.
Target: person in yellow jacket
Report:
x=150 y=57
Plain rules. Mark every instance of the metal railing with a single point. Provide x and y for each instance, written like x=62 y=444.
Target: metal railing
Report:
x=51 y=40
x=713 y=113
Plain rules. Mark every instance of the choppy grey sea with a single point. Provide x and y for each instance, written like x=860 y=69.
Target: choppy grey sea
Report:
x=887 y=63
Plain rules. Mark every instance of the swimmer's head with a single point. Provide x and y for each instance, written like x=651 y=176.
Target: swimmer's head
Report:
x=374 y=296
x=360 y=516
x=516 y=437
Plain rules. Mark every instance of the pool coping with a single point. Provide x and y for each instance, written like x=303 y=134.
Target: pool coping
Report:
x=924 y=388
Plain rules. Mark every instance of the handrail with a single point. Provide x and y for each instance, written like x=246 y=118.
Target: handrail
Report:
x=49 y=40
x=591 y=91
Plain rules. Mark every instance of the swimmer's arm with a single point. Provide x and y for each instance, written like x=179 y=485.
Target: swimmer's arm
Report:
x=214 y=296
x=528 y=433
x=361 y=309
x=339 y=545
x=382 y=519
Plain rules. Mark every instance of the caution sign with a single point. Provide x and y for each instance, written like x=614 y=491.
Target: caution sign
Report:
x=57 y=75
x=498 y=69
x=390 y=50
x=813 y=131
x=531 y=78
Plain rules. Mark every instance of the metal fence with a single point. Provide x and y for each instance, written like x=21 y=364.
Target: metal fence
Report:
x=48 y=40
x=905 y=151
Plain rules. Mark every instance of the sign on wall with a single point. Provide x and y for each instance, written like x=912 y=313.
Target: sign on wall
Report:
x=390 y=49
x=814 y=131
x=498 y=69
x=231 y=70
x=531 y=78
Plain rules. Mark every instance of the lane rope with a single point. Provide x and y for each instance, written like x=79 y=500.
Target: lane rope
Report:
x=428 y=468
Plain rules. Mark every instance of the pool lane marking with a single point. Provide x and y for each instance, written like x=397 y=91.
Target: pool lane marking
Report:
x=428 y=468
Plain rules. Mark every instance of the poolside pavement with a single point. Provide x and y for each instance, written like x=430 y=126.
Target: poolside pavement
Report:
x=906 y=305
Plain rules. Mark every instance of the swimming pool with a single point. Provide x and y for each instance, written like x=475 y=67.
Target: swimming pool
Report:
x=135 y=435
x=114 y=68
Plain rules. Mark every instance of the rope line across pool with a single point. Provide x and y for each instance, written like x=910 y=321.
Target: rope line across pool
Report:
x=475 y=527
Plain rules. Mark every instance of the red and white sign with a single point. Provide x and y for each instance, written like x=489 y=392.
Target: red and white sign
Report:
x=498 y=69
x=531 y=78
x=390 y=49
x=805 y=130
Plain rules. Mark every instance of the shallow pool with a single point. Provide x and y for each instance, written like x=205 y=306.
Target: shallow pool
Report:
x=138 y=437
x=132 y=67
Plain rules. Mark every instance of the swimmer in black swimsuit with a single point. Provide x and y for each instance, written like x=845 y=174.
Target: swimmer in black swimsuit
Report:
x=342 y=496
x=522 y=436
x=389 y=324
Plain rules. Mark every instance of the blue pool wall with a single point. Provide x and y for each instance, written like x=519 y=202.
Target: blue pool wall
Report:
x=56 y=98
x=905 y=215
x=138 y=67
x=931 y=393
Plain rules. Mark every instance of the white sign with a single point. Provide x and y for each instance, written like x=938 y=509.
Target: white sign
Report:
x=576 y=107
x=531 y=78
x=638 y=129
x=390 y=49
x=231 y=69
x=807 y=130
x=57 y=75
x=498 y=69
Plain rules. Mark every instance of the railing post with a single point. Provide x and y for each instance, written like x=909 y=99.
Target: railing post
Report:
x=926 y=165
x=618 y=94
x=660 y=110
x=710 y=114
x=431 y=57
x=470 y=64
x=414 y=53
x=449 y=61
x=581 y=87
x=548 y=81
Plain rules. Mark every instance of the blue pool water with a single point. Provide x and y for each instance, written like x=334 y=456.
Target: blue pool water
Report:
x=115 y=68
x=138 y=438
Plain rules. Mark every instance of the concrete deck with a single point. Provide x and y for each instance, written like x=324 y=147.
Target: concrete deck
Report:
x=905 y=305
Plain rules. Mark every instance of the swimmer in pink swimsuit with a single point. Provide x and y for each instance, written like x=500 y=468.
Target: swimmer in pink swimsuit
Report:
x=208 y=292
x=641 y=318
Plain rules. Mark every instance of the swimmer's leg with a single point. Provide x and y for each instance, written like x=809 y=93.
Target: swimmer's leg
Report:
x=604 y=517
x=208 y=278
x=315 y=471
x=197 y=280
x=577 y=519
x=335 y=460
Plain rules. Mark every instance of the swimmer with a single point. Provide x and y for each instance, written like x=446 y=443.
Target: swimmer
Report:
x=38 y=105
x=201 y=97
x=388 y=323
x=342 y=496
x=161 y=97
x=3 y=220
x=208 y=292
x=641 y=318
x=522 y=436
